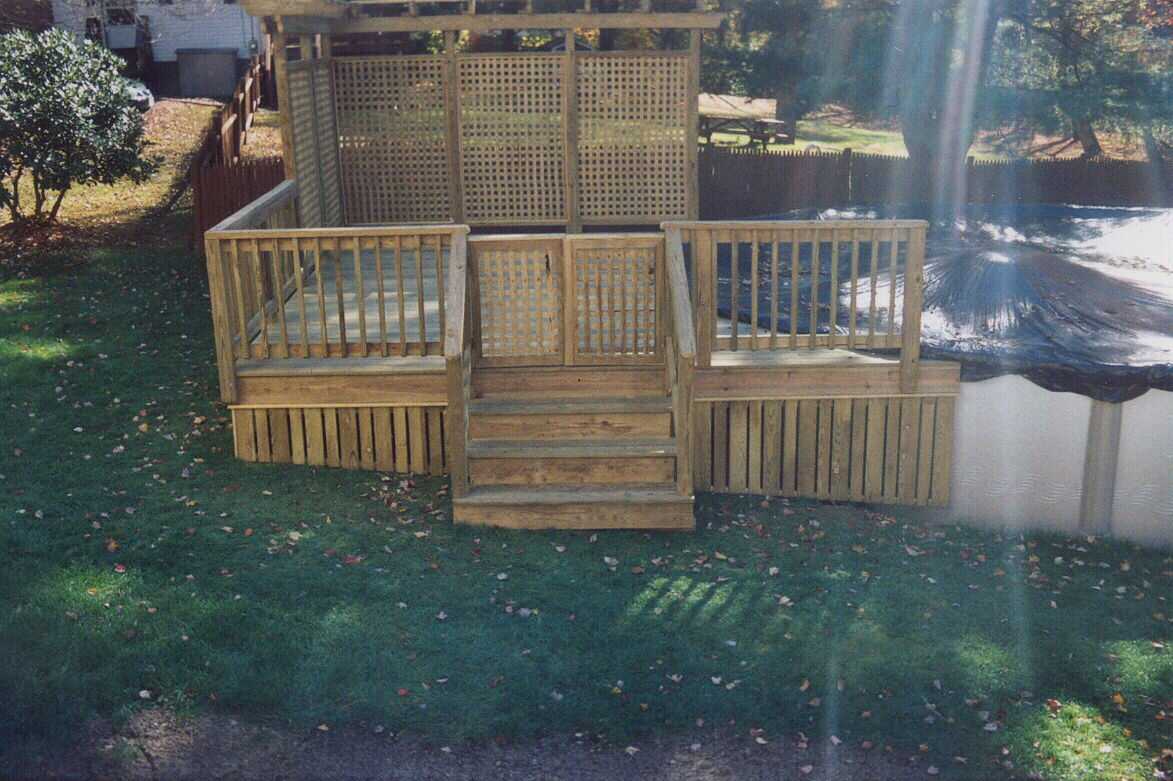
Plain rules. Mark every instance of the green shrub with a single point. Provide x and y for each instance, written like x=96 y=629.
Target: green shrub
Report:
x=65 y=120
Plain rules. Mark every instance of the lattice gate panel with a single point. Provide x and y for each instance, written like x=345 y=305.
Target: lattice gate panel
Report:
x=512 y=146
x=520 y=287
x=393 y=144
x=632 y=138
x=305 y=146
x=616 y=289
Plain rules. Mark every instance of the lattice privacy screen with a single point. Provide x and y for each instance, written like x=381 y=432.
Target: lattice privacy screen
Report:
x=392 y=138
x=512 y=144
x=315 y=143
x=632 y=153
x=397 y=144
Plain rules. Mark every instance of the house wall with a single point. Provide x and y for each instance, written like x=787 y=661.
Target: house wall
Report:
x=186 y=24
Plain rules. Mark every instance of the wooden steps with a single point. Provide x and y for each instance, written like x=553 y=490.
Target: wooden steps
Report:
x=578 y=507
x=572 y=448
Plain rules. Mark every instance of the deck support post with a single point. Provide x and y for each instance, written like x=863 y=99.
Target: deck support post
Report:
x=692 y=125
x=452 y=128
x=570 y=134
x=280 y=42
x=914 y=280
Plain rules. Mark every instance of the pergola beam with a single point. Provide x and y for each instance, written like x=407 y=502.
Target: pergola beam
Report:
x=308 y=25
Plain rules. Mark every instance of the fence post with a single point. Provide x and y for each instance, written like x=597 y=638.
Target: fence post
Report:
x=845 y=195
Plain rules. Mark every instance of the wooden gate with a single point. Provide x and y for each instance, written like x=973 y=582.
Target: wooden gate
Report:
x=556 y=300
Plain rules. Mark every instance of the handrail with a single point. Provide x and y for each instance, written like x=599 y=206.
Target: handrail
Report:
x=251 y=215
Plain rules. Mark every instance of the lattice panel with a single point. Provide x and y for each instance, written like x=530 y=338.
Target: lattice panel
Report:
x=632 y=153
x=305 y=147
x=327 y=143
x=615 y=301
x=521 y=300
x=511 y=136
x=392 y=133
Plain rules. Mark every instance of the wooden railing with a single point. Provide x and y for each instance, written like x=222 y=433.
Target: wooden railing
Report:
x=806 y=285
x=280 y=291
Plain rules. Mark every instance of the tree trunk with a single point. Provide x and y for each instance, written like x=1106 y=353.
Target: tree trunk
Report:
x=1085 y=134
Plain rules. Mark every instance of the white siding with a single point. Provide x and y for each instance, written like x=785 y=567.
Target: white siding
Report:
x=186 y=24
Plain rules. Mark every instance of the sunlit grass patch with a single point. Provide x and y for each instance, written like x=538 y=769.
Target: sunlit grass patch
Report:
x=1076 y=741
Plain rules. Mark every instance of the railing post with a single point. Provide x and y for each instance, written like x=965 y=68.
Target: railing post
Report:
x=684 y=354
x=914 y=280
x=457 y=362
x=703 y=270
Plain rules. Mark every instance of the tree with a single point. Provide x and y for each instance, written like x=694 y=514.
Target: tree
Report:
x=64 y=120
x=1074 y=64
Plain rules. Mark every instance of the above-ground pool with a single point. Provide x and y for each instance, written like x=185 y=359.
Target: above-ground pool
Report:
x=1062 y=320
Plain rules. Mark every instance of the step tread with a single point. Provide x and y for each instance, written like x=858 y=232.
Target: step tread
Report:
x=637 y=404
x=570 y=448
x=655 y=493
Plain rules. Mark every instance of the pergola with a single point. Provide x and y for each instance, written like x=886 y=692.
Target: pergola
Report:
x=560 y=135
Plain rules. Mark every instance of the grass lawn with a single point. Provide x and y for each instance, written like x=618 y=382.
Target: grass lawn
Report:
x=142 y=567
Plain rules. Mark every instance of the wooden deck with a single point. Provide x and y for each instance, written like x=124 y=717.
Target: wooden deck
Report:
x=585 y=381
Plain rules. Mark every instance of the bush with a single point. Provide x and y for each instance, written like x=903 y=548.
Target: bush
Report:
x=65 y=120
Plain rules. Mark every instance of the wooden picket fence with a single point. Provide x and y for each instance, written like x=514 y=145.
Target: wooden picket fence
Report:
x=222 y=181
x=743 y=182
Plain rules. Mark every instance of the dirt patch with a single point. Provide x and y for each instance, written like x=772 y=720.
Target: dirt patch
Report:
x=156 y=744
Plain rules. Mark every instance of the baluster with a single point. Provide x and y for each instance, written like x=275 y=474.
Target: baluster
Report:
x=259 y=292
x=420 y=298
x=753 y=286
x=893 y=256
x=399 y=294
x=380 y=292
x=245 y=350
x=833 y=293
x=279 y=295
x=339 y=286
x=775 y=248
x=854 y=289
x=298 y=275
x=323 y=335
x=734 y=290
x=874 y=270
x=360 y=296
x=816 y=247
x=795 y=255
x=440 y=287
x=622 y=269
